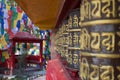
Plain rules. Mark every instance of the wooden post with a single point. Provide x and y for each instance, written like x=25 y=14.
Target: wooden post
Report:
x=41 y=51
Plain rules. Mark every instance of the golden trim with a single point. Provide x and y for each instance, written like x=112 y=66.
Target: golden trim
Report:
x=100 y=55
x=62 y=45
x=74 y=48
x=59 y=44
x=74 y=30
x=96 y=22
x=60 y=35
x=65 y=45
x=65 y=33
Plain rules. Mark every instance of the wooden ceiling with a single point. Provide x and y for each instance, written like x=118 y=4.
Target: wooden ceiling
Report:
x=47 y=14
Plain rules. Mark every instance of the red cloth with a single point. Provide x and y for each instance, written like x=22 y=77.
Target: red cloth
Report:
x=56 y=71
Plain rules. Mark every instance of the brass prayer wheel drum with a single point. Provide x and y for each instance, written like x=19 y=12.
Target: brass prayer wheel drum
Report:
x=100 y=40
x=100 y=52
x=58 y=41
x=61 y=41
x=73 y=39
x=64 y=39
x=94 y=12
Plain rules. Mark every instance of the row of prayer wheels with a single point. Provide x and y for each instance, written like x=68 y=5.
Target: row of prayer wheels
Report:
x=89 y=40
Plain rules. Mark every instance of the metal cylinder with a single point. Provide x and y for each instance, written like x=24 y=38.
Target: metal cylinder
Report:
x=73 y=39
x=99 y=39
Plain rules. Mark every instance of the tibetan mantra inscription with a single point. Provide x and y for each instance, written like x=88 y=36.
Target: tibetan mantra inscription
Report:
x=100 y=52
x=100 y=40
x=100 y=12
x=73 y=39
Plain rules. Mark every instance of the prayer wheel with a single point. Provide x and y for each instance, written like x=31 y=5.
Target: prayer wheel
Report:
x=73 y=39
x=64 y=39
x=100 y=40
x=58 y=41
x=61 y=40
